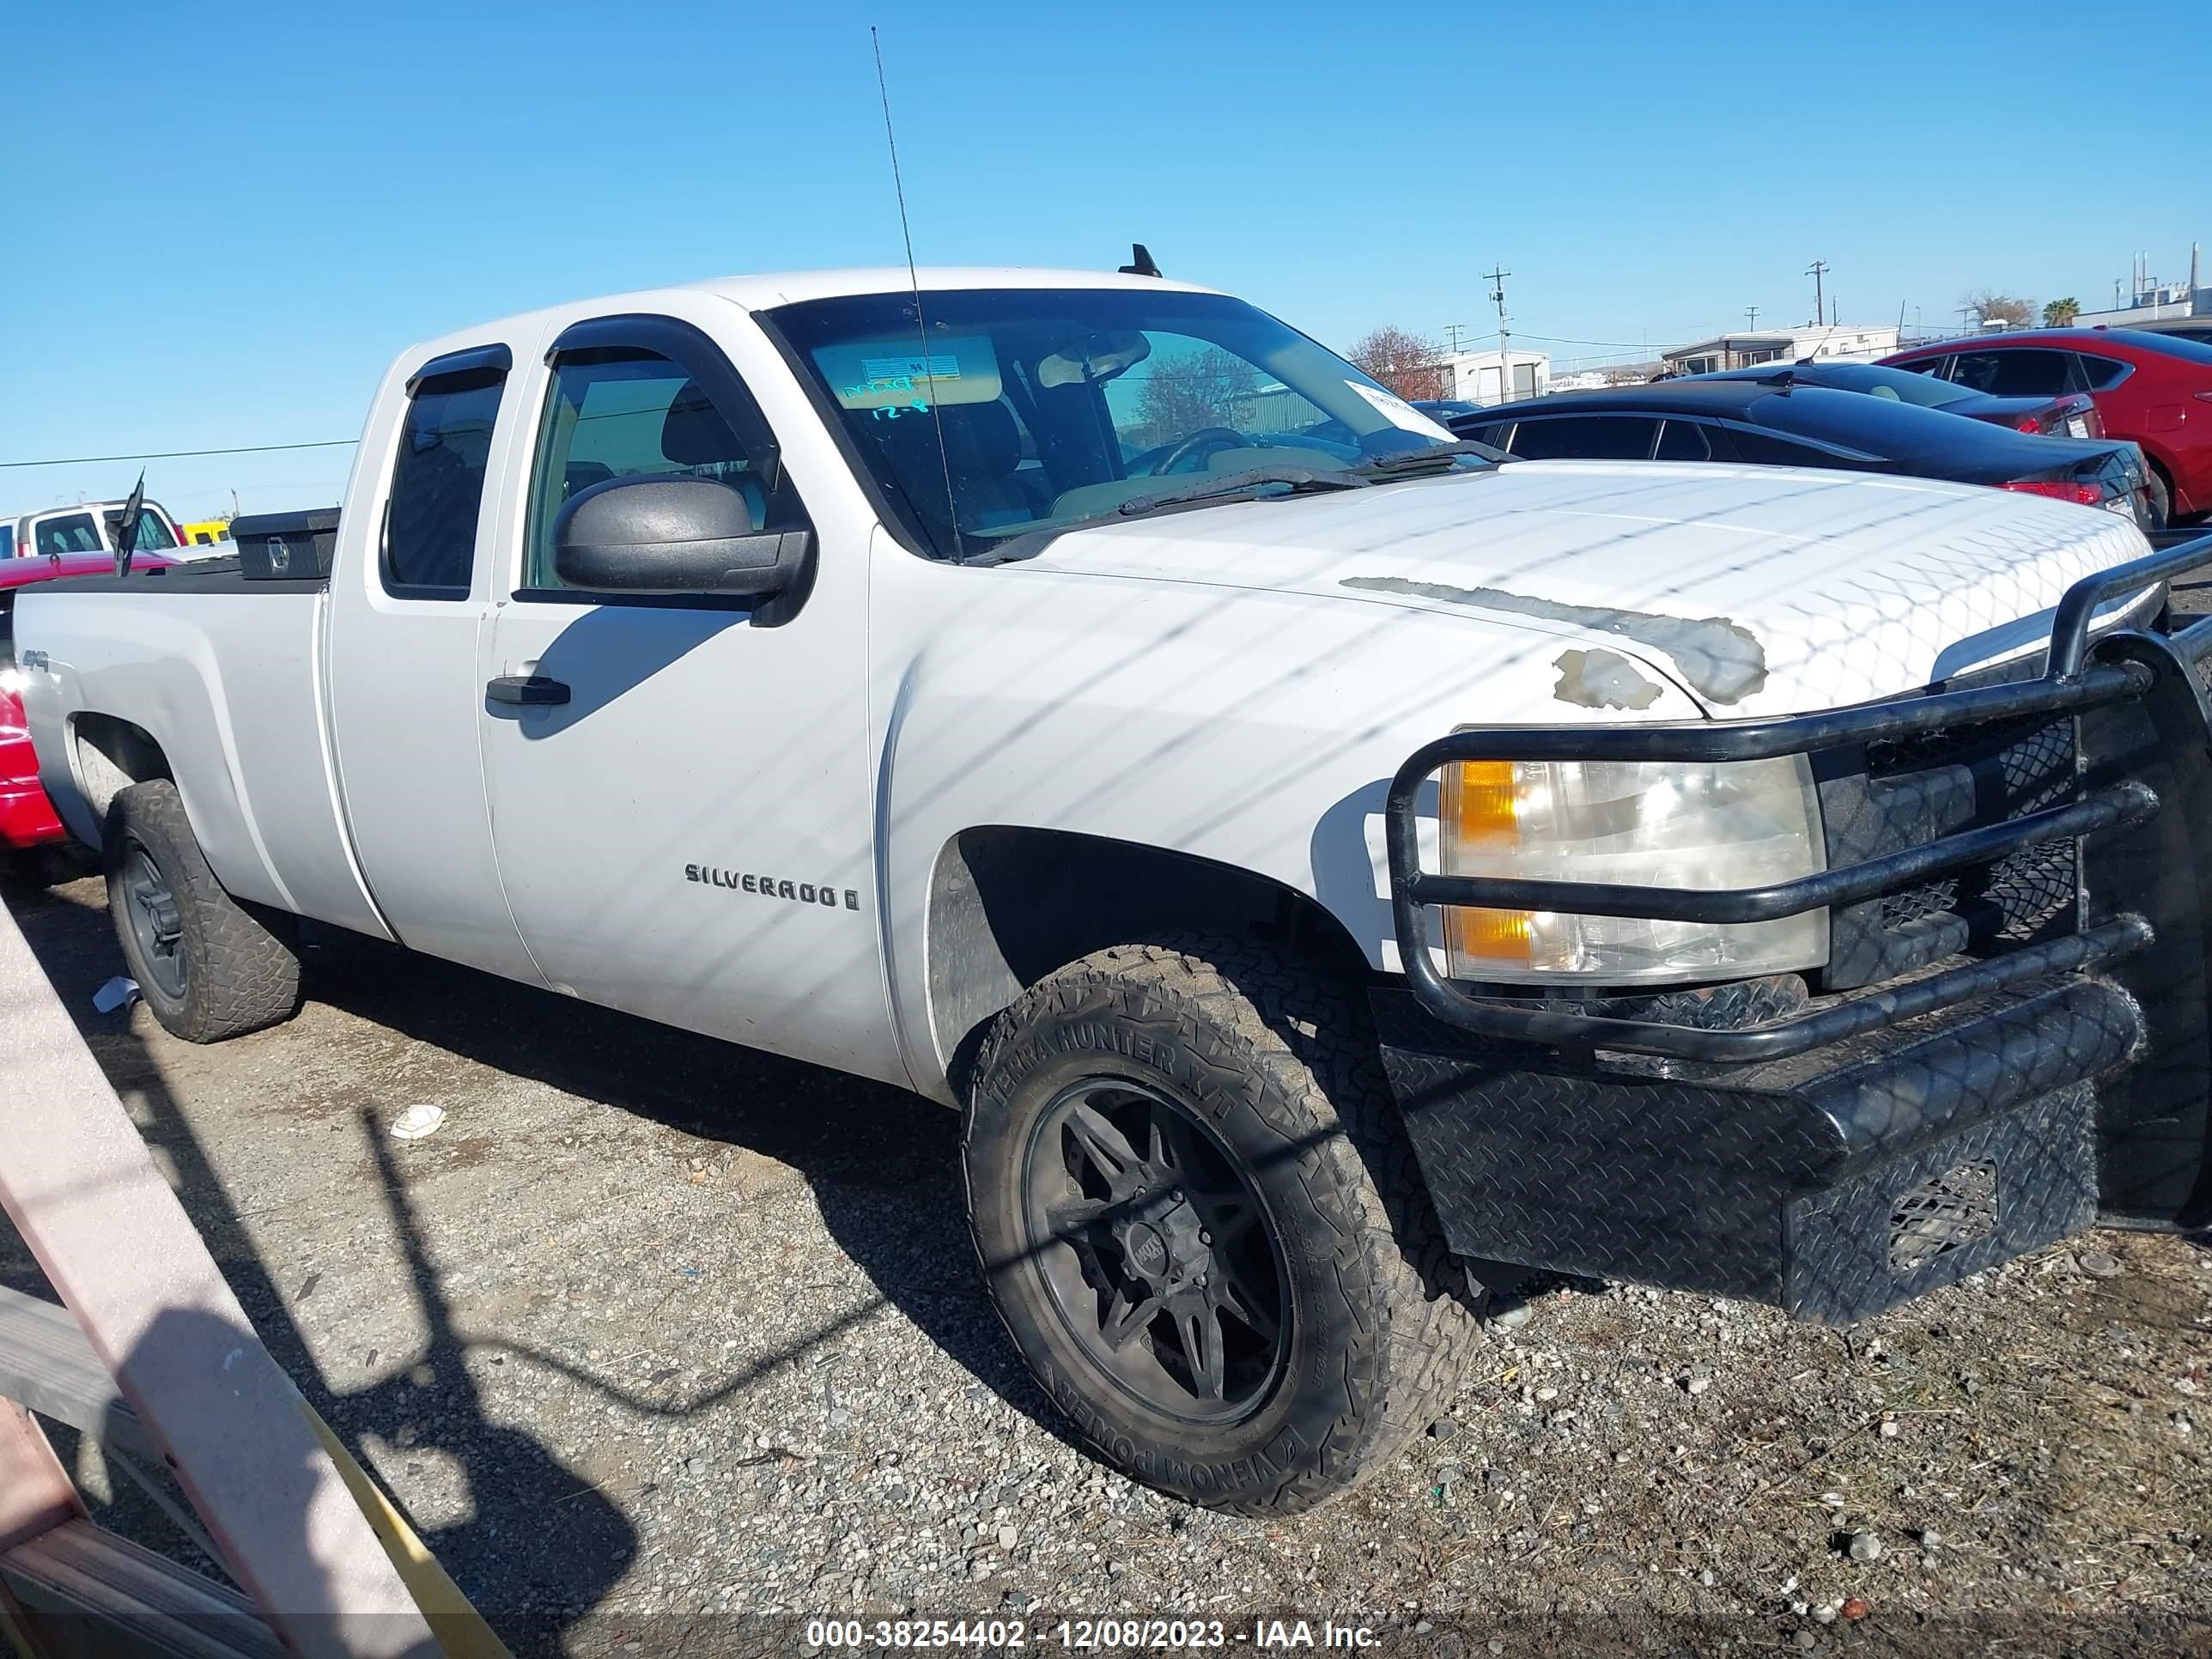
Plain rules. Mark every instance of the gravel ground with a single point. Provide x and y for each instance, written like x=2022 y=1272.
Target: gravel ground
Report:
x=656 y=1337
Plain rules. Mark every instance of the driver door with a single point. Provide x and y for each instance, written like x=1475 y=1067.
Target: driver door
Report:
x=680 y=798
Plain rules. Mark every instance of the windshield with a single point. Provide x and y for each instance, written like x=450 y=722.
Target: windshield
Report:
x=1059 y=406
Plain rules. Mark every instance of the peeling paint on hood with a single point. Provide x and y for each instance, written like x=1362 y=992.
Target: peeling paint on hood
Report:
x=1765 y=590
x=1603 y=679
x=1717 y=658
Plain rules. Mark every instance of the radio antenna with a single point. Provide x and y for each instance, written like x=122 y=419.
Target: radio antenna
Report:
x=921 y=323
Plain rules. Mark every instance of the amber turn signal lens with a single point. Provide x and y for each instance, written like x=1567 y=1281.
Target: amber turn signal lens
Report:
x=1480 y=818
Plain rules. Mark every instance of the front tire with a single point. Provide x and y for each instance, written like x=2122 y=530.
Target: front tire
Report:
x=1204 y=1227
x=207 y=967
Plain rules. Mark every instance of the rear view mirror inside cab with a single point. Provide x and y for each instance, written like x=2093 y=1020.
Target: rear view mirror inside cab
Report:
x=896 y=375
x=1096 y=359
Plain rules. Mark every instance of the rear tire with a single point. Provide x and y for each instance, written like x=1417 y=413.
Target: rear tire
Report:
x=207 y=967
x=2161 y=499
x=1268 y=1208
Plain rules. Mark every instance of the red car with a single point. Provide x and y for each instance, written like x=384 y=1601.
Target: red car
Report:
x=26 y=817
x=2155 y=389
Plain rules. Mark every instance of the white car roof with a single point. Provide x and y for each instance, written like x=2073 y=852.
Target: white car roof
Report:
x=784 y=288
x=774 y=289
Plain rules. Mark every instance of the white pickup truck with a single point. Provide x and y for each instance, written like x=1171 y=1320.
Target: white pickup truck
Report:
x=1332 y=873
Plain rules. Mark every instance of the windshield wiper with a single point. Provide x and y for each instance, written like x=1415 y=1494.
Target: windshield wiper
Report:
x=1437 y=457
x=1247 y=486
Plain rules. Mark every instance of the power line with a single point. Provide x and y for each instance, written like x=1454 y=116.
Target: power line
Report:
x=180 y=454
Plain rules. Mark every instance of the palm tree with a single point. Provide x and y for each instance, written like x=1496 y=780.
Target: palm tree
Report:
x=2060 y=313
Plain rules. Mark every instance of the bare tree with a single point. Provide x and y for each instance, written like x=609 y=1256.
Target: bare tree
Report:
x=1400 y=360
x=2060 y=313
x=1991 y=307
x=1202 y=388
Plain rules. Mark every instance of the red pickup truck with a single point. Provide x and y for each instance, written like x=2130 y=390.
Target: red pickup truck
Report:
x=26 y=817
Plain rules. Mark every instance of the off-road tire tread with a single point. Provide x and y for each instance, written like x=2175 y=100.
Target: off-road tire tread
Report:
x=1309 y=1034
x=242 y=976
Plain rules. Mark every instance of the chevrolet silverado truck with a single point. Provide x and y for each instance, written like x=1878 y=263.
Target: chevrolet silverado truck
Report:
x=1333 y=870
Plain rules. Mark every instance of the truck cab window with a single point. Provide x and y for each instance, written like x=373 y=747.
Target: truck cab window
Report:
x=437 y=486
x=628 y=415
x=154 y=534
x=57 y=539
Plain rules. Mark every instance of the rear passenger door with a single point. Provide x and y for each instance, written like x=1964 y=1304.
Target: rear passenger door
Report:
x=407 y=601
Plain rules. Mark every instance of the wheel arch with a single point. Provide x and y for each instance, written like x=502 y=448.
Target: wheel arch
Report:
x=108 y=754
x=1008 y=905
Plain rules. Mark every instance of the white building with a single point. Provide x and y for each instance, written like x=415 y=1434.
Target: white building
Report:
x=1478 y=377
x=1840 y=343
x=2155 y=301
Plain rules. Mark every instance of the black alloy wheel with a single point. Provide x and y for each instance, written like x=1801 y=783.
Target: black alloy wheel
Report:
x=150 y=909
x=1158 y=1254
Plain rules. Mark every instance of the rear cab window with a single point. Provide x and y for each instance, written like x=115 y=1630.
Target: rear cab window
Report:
x=64 y=534
x=430 y=540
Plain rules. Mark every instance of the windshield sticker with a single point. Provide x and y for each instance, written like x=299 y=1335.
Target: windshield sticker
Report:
x=897 y=375
x=1399 y=413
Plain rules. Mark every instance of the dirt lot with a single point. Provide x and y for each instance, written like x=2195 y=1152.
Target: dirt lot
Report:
x=657 y=1336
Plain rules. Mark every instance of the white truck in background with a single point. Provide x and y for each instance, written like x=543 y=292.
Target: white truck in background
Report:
x=1333 y=872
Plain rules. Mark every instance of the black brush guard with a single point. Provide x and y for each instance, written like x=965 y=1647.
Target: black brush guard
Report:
x=1860 y=1147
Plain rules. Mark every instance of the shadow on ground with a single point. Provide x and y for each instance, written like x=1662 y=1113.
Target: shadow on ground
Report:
x=882 y=1164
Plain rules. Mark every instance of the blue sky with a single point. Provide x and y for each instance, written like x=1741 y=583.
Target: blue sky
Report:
x=332 y=183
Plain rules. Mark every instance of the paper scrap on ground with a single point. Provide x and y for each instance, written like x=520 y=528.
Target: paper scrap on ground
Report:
x=417 y=1121
x=118 y=993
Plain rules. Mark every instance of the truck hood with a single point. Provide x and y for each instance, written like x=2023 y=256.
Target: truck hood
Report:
x=1761 y=590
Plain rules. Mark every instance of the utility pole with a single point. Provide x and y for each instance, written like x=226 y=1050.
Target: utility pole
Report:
x=1504 y=334
x=1452 y=331
x=1750 y=320
x=1818 y=270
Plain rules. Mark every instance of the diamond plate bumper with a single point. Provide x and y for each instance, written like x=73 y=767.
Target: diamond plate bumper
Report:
x=1787 y=1184
x=2022 y=1046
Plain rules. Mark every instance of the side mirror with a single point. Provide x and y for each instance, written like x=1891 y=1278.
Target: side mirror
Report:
x=674 y=535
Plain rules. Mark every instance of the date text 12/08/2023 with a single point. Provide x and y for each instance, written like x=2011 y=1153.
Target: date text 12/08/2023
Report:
x=1086 y=1635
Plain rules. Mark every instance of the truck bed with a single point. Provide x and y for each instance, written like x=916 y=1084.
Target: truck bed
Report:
x=226 y=676
x=224 y=576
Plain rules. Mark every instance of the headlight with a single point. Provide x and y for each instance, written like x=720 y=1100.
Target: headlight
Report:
x=1733 y=824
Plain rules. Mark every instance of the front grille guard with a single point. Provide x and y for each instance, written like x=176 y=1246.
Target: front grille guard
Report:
x=2070 y=686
